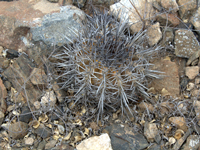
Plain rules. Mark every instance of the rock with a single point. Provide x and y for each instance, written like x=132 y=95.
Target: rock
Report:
x=191 y=72
x=190 y=86
x=26 y=115
x=196 y=105
x=124 y=137
x=179 y=143
x=48 y=99
x=185 y=43
x=63 y=146
x=195 y=20
x=170 y=80
x=154 y=34
x=79 y=3
x=18 y=130
x=101 y=142
x=18 y=74
x=170 y=5
x=1 y=117
x=179 y=122
x=11 y=54
x=38 y=77
x=154 y=146
x=43 y=131
x=192 y=143
x=7 y=85
x=29 y=141
x=186 y=8
x=151 y=132
x=37 y=104
x=50 y=144
x=41 y=145
x=60 y=94
x=3 y=91
x=124 y=10
x=143 y=106
x=168 y=36
x=58 y=28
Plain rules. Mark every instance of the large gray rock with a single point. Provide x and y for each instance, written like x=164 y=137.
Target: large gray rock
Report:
x=59 y=28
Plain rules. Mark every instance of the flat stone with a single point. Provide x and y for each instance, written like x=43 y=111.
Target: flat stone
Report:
x=18 y=130
x=58 y=28
x=179 y=122
x=50 y=144
x=185 y=43
x=170 y=79
x=151 y=132
x=43 y=131
x=124 y=137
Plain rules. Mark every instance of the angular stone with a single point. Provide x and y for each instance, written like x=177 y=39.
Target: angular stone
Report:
x=58 y=28
x=185 y=43
x=170 y=79
x=186 y=8
x=124 y=10
x=38 y=77
x=18 y=74
x=179 y=122
x=192 y=143
x=101 y=142
x=195 y=20
x=166 y=19
x=124 y=137
x=151 y=132
x=18 y=130
x=170 y=5
x=191 y=72
x=154 y=34
x=43 y=131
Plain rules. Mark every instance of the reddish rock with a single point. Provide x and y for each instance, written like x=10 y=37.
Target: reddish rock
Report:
x=17 y=17
x=166 y=19
x=170 y=81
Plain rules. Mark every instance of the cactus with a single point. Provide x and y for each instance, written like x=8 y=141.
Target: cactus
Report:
x=107 y=64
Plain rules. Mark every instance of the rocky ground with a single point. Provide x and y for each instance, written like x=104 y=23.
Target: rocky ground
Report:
x=34 y=113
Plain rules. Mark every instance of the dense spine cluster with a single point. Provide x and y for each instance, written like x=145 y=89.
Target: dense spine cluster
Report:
x=107 y=64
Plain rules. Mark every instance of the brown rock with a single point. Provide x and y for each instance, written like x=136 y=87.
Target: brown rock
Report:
x=18 y=130
x=38 y=76
x=3 y=91
x=186 y=8
x=170 y=5
x=170 y=81
x=154 y=34
x=192 y=72
x=151 y=131
x=17 y=17
x=144 y=106
x=179 y=122
x=166 y=19
x=18 y=74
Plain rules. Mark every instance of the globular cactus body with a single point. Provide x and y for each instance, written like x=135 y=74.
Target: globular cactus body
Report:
x=107 y=64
